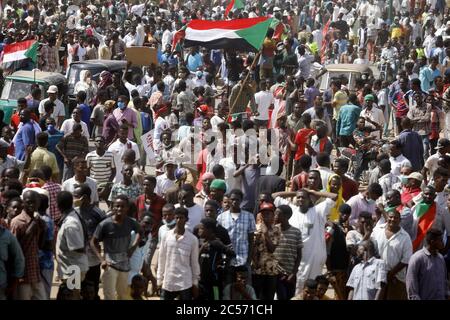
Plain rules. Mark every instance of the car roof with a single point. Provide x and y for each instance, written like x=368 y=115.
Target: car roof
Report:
x=108 y=64
x=350 y=67
x=50 y=77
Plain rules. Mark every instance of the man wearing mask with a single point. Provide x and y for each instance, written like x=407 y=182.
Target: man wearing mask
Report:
x=125 y=116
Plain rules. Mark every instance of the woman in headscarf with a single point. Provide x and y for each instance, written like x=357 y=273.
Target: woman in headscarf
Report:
x=87 y=85
x=105 y=80
x=335 y=186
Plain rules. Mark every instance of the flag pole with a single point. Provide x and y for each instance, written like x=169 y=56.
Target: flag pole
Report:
x=243 y=84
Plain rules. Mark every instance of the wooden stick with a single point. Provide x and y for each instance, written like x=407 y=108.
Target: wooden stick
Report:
x=243 y=84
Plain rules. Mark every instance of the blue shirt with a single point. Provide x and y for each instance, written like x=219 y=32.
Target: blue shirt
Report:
x=412 y=148
x=46 y=256
x=25 y=137
x=426 y=78
x=146 y=122
x=238 y=231
x=194 y=61
x=348 y=115
x=85 y=113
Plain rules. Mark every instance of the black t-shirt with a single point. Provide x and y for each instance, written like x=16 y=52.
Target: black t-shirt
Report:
x=116 y=240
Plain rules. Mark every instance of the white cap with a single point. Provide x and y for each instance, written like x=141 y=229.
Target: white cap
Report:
x=276 y=9
x=52 y=89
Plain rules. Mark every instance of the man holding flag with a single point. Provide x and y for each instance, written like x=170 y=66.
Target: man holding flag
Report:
x=427 y=215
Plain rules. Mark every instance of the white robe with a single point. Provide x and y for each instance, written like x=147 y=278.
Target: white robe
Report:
x=312 y=226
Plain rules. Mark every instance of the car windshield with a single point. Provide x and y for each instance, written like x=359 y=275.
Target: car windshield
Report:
x=14 y=89
x=349 y=76
x=74 y=74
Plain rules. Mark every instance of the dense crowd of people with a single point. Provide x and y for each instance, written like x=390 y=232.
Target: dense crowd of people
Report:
x=218 y=174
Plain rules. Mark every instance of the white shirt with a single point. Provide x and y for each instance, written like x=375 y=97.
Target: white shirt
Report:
x=130 y=40
x=70 y=238
x=67 y=127
x=162 y=184
x=325 y=174
x=432 y=164
x=196 y=214
x=394 y=250
x=160 y=125
x=58 y=111
x=376 y=115
x=360 y=61
x=138 y=9
x=118 y=148
x=397 y=163
x=166 y=39
x=69 y=185
x=178 y=266
x=263 y=100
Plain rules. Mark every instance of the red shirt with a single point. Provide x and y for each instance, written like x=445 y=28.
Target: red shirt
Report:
x=156 y=205
x=299 y=181
x=350 y=188
x=15 y=119
x=300 y=139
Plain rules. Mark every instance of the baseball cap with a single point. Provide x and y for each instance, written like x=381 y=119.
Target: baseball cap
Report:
x=266 y=206
x=169 y=162
x=443 y=143
x=369 y=97
x=199 y=74
x=416 y=176
x=52 y=89
x=276 y=9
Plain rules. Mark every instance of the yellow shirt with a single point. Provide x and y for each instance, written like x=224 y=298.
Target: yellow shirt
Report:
x=396 y=32
x=41 y=157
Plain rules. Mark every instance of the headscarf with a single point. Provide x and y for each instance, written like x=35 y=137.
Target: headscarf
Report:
x=106 y=79
x=334 y=213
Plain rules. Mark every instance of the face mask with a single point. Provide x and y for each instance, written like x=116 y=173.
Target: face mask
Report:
x=169 y=224
x=370 y=201
x=121 y=105
x=404 y=180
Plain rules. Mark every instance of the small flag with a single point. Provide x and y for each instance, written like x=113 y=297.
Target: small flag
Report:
x=233 y=5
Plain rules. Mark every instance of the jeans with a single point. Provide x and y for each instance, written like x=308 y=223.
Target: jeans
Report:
x=171 y=295
x=426 y=146
x=47 y=280
x=361 y=163
x=67 y=172
x=285 y=289
x=265 y=286
x=115 y=281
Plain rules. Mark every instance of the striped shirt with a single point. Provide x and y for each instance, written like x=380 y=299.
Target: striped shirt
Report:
x=100 y=166
x=286 y=251
x=73 y=146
